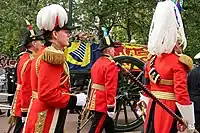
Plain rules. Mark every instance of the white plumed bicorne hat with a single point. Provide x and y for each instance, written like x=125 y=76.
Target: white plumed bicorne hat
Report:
x=197 y=56
x=51 y=17
x=166 y=29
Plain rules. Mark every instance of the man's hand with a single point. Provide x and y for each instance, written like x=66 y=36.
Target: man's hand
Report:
x=81 y=99
x=23 y=119
x=111 y=114
x=72 y=102
x=181 y=127
x=191 y=128
x=24 y=115
x=187 y=112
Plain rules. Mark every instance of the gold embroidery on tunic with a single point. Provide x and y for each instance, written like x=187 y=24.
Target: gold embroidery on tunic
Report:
x=38 y=64
x=92 y=100
x=39 y=126
x=66 y=77
x=24 y=67
x=66 y=68
x=13 y=108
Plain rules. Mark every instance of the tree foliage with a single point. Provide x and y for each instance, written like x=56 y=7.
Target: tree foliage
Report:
x=191 y=19
x=12 y=21
x=125 y=19
x=133 y=17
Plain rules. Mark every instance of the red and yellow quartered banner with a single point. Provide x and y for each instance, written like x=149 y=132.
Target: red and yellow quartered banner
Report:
x=135 y=50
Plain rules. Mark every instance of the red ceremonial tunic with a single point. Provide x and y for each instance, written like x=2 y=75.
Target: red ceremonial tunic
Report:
x=21 y=68
x=50 y=85
x=170 y=68
x=104 y=74
x=26 y=90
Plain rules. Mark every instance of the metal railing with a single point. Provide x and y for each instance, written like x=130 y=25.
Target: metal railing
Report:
x=4 y=103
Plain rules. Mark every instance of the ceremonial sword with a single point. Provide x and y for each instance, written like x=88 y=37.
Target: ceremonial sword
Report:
x=137 y=82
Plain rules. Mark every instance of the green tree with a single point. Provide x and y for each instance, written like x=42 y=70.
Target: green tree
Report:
x=128 y=19
x=191 y=19
x=12 y=20
x=127 y=16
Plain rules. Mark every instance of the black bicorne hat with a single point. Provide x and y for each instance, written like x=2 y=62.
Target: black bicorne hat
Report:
x=30 y=35
x=107 y=42
x=28 y=38
x=70 y=28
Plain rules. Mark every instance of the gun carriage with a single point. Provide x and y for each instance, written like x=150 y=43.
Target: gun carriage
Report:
x=129 y=114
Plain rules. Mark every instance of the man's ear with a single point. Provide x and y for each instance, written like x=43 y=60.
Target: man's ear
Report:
x=55 y=34
x=33 y=44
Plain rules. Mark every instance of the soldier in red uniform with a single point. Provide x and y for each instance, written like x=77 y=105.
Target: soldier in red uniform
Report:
x=104 y=74
x=50 y=79
x=166 y=71
x=23 y=92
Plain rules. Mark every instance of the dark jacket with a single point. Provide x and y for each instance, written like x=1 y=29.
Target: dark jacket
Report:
x=194 y=87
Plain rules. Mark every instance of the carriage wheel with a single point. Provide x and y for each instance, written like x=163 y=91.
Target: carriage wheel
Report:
x=128 y=115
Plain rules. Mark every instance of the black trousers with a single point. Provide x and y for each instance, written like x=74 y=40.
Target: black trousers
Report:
x=61 y=121
x=197 y=120
x=19 y=125
x=10 y=99
x=102 y=121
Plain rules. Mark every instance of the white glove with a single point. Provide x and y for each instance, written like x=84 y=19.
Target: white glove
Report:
x=81 y=99
x=111 y=114
x=187 y=112
x=145 y=99
x=23 y=119
x=191 y=128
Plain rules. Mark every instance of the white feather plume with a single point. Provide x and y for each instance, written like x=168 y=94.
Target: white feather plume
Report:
x=164 y=28
x=46 y=17
x=197 y=56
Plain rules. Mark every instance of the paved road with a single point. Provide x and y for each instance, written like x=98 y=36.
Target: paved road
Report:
x=70 y=125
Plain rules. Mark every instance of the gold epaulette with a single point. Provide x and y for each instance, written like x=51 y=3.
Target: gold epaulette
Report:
x=53 y=56
x=186 y=60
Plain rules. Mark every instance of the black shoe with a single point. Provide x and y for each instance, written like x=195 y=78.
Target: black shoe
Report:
x=72 y=112
x=8 y=113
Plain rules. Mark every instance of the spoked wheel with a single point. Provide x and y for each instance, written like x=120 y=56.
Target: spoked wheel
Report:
x=128 y=115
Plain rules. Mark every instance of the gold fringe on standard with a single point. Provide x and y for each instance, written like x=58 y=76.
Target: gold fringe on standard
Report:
x=53 y=56
x=186 y=60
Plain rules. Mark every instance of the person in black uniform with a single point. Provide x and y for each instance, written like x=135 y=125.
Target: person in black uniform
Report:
x=194 y=89
x=10 y=71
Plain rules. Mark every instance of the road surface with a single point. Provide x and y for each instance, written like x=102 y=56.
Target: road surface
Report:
x=70 y=125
